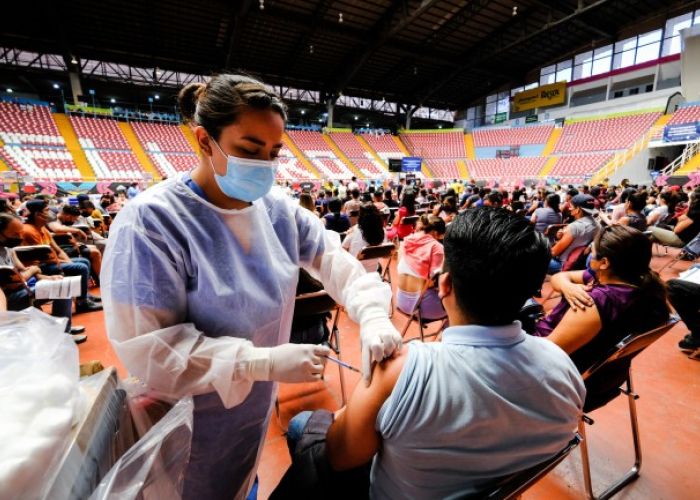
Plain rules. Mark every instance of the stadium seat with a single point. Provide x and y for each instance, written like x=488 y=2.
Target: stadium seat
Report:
x=312 y=145
x=606 y=134
x=516 y=136
x=685 y=114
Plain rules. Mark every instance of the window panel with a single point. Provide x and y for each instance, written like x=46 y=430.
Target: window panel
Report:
x=601 y=66
x=628 y=44
x=648 y=52
x=603 y=52
x=547 y=79
x=624 y=60
x=648 y=38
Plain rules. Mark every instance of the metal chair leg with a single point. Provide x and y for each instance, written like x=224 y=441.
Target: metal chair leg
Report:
x=633 y=473
x=334 y=342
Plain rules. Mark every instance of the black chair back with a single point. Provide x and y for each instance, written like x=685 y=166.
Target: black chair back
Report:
x=313 y=304
x=604 y=378
x=30 y=254
x=63 y=240
x=410 y=220
x=514 y=485
x=354 y=213
x=383 y=251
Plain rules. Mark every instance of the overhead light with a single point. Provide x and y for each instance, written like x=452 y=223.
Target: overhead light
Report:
x=112 y=100
x=340 y=17
x=515 y=10
x=311 y=49
x=9 y=91
x=355 y=117
x=56 y=86
x=73 y=60
x=262 y=4
x=303 y=111
x=415 y=70
x=439 y=126
x=157 y=96
x=366 y=124
x=159 y=71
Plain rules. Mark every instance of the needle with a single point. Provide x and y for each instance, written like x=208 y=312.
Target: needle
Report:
x=343 y=364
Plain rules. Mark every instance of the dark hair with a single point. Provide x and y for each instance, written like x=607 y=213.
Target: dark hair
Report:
x=387 y=194
x=70 y=210
x=629 y=253
x=431 y=223
x=355 y=193
x=449 y=204
x=495 y=198
x=637 y=201
x=307 y=201
x=553 y=202
x=409 y=201
x=496 y=261
x=5 y=220
x=334 y=206
x=220 y=102
x=572 y=192
x=626 y=194
x=371 y=224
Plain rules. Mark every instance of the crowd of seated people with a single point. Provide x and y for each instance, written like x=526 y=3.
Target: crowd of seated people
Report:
x=74 y=236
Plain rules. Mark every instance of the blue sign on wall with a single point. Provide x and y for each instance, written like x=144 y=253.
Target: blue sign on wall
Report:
x=682 y=132
x=411 y=164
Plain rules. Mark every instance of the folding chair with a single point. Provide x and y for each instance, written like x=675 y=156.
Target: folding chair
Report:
x=416 y=315
x=63 y=240
x=691 y=251
x=411 y=219
x=383 y=251
x=320 y=303
x=514 y=485
x=37 y=253
x=614 y=368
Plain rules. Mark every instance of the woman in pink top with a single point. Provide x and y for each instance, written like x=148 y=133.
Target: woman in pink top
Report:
x=421 y=256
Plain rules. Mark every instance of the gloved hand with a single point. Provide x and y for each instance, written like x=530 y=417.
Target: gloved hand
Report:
x=379 y=339
x=289 y=363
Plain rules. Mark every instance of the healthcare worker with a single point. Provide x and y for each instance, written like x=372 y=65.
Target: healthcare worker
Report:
x=199 y=281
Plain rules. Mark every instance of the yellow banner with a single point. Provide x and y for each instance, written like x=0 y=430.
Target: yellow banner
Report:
x=543 y=96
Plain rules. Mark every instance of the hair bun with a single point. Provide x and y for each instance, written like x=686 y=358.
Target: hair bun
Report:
x=187 y=100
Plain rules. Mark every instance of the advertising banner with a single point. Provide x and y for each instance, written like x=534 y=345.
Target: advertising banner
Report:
x=542 y=96
x=682 y=132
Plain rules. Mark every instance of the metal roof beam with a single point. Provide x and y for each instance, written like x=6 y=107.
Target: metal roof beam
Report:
x=473 y=58
x=382 y=31
x=238 y=17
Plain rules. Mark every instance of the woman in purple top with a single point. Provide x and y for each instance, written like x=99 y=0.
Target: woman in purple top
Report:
x=617 y=296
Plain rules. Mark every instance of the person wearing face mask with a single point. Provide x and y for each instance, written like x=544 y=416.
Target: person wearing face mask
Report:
x=199 y=281
x=19 y=295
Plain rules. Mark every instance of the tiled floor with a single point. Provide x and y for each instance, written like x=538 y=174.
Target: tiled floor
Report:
x=669 y=415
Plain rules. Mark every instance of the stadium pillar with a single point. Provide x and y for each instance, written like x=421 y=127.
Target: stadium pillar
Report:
x=409 y=114
x=690 y=67
x=75 y=87
x=330 y=105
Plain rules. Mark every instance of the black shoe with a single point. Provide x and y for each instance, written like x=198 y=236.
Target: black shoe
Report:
x=94 y=298
x=87 y=305
x=689 y=343
x=77 y=330
x=79 y=339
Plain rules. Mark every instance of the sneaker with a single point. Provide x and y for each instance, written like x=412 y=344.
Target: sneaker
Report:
x=76 y=330
x=94 y=298
x=87 y=305
x=79 y=339
x=689 y=343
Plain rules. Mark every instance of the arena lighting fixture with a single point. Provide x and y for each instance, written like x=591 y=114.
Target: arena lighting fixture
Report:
x=311 y=49
x=56 y=86
x=355 y=117
x=9 y=91
x=303 y=111
x=340 y=17
x=157 y=96
x=515 y=10
x=112 y=100
x=262 y=4
x=73 y=60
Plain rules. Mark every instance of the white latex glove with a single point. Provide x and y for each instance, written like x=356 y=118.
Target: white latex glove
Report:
x=289 y=363
x=379 y=339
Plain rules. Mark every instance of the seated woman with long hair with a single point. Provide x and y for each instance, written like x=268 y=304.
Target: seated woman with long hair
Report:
x=406 y=209
x=369 y=231
x=617 y=296
x=421 y=256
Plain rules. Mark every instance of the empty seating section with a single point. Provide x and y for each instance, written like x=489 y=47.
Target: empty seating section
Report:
x=98 y=133
x=365 y=162
x=290 y=168
x=312 y=145
x=518 y=136
x=436 y=144
x=33 y=146
x=579 y=166
x=501 y=168
x=443 y=169
x=169 y=138
x=166 y=146
x=384 y=145
x=114 y=165
x=606 y=134
x=106 y=149
x=686 y=114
